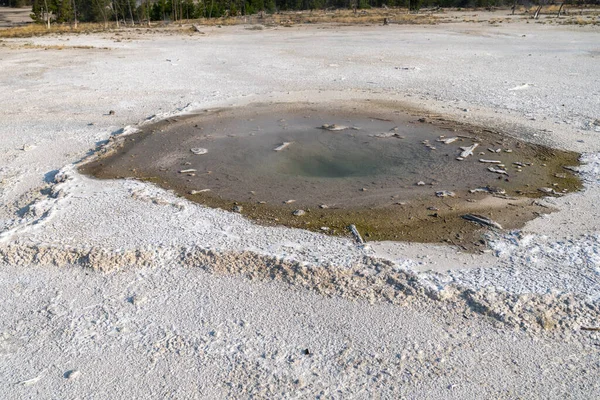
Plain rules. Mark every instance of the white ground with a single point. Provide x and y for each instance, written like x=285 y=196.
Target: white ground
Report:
x=149 y=325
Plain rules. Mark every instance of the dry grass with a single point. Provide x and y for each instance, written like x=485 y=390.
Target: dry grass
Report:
x=41 y=30
x=361 y=17
x=575 y=16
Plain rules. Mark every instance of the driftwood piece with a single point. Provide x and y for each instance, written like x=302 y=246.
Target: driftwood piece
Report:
x=590 y=328
x=448 y=140
x=334 y=127
x=283 y=146
x=497 y=171
x=481 y=220
x=468 y=151
x=356 y=234
x=192 y=192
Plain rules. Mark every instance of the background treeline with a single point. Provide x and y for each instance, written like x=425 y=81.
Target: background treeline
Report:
x=174 y=10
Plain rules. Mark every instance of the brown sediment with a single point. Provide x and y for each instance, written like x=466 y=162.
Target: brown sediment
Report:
x=362 y=179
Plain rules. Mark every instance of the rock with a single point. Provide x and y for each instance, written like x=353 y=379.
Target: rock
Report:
x=420 y=183
x=334 y=127
x=237 y=209
x=299 y=213
x=72 y=375
x=324 y=206
x=445 y=193
x=289 y=201
x=111 y=112
x=198 y=150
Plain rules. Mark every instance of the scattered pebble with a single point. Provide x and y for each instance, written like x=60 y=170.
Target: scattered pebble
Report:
x=198 y=150
x=299 y=213
x=289 y=201
x=324 y=206
x=420 y=183
x=237 y=209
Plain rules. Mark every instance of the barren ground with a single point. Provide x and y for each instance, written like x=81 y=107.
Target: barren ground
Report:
x=147 y=295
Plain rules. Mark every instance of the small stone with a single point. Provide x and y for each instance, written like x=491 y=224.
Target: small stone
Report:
x=299 y=213
x=363 y=189
x=72 y=375
x=289 y=201
x=325 y=228
x=111 y=112
x=420 y=183
x=324 y=206
x=198 y=150
x=237 y=209
x=445 y=193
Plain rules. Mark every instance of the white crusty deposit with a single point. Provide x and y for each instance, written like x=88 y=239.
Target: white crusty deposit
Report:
x=97 y=276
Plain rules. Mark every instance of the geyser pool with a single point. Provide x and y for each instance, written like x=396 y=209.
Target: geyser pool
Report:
x=380 y=169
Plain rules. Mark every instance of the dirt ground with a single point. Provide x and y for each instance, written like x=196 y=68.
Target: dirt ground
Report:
x=119 y=288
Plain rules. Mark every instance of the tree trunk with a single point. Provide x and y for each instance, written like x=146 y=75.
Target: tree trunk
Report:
x=74 y=14
x=47 y=14
x=130 y=13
